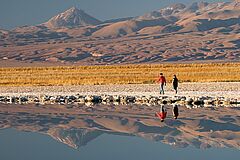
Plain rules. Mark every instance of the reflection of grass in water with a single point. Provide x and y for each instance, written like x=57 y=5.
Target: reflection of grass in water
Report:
x=122 y=74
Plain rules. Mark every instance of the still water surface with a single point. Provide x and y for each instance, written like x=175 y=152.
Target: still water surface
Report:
x=58 y=132
x=20 y=145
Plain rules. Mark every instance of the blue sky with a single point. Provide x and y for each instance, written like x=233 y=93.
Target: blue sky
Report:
x=15 y=13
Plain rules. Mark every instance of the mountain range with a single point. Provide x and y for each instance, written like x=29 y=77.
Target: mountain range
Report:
x=197 y=32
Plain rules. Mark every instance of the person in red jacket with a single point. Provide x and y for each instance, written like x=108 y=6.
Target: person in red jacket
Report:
x=162 y=114
x=162 y=81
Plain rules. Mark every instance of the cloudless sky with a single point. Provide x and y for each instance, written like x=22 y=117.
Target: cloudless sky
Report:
x=15 y=13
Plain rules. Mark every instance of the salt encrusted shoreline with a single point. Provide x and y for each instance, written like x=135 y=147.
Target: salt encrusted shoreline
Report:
x=221 y=89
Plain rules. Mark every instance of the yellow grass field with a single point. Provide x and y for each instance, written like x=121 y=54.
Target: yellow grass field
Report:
x=118 y=74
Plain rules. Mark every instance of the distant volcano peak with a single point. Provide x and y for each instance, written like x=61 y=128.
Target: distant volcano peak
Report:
x=74 y=10
x=71 y=18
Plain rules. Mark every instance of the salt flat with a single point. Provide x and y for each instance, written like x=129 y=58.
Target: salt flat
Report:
x=213 y=89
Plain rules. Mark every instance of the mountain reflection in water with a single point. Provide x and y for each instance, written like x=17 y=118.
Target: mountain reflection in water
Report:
x=76 y=126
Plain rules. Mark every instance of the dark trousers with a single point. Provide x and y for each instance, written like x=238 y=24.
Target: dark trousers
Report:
x=175 y=88
x=162 y=88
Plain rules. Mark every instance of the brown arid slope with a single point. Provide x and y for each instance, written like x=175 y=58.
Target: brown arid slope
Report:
x=178 y=33
x=76 y=125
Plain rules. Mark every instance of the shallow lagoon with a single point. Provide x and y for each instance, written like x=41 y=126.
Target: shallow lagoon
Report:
x=103 y=132
x=17 y=145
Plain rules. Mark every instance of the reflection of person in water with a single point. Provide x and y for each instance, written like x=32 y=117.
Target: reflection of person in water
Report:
x=162 y=114
x=175 y=111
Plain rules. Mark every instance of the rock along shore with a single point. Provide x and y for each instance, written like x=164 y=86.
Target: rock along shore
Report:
x=190 y=94
x=190 y=102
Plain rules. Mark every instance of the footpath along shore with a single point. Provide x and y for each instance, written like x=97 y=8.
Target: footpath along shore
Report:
x=221 y=89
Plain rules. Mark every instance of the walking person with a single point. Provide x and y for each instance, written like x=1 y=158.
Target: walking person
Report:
x=175 y=83
x=162 y=114
x=175 y=111
x=162 y=81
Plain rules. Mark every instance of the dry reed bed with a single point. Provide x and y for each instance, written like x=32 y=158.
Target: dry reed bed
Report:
x=118 y=74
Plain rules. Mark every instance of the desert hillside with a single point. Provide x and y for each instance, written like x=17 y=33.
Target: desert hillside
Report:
x=178 y=33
